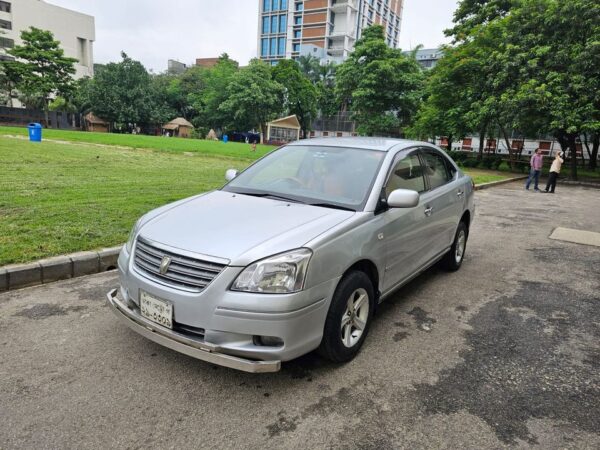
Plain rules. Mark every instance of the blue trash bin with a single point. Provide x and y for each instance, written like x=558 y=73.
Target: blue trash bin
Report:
x=225 y=138
x=35 y=132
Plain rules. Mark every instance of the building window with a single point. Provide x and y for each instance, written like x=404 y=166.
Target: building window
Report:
x=297 y=34
x=282 y=23
x=82 y=51
x=296 y=48
x=281 y=45
x=298 y=20
x=273 y=46
x=265 y=24
x=284 y=4
x=266 y=5
x=274 y=5
x=264 y=47
x=274 y=24
x=5 y=7
x=5 y=24
x=299 y=6
x=6 y=42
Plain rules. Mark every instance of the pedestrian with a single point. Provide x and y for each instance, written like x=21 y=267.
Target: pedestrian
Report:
x=554 y=171
x=536 y=163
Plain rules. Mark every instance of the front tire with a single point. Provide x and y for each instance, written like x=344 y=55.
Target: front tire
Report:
x=349 y=318
x=454 y=258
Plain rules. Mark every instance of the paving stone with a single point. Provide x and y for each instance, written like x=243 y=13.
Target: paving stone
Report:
x=23 y=275
x=85 y=263
x=108 y=258
x=57 y=268
x=576 y=236
x=3 y=280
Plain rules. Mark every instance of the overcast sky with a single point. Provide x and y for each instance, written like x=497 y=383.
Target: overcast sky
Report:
x=154 y=31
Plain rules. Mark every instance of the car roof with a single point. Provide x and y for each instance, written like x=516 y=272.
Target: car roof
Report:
x=364 y=143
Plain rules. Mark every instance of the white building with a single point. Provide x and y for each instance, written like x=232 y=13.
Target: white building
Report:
x=75 y=31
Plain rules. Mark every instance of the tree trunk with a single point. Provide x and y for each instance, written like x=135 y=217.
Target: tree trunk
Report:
x=449 y=146
x=594 y=155
x=46 y=115
x=571 y=139
x=481 y=142
x=511 y=153
x=263 y=133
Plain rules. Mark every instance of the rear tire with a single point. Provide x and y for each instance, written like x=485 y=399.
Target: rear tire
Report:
x=349 y=318
x=454 y=258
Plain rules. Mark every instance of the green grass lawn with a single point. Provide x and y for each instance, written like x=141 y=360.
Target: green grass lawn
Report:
x=58 y=198
x=171 y=145
x=487 y=176
x=62 y=198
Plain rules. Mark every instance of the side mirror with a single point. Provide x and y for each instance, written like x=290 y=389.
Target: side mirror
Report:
x=403 y=198
x=231 y=174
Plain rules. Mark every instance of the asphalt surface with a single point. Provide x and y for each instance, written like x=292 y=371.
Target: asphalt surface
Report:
x=504 y=353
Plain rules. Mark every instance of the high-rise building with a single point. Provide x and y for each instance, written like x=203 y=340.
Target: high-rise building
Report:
x=326 y=29
x=75 y=31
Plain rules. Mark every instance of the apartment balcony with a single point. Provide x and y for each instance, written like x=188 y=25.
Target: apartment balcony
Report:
x=340 y=35
x=340 y=6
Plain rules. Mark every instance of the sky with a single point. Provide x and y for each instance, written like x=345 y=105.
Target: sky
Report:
x=154 y=31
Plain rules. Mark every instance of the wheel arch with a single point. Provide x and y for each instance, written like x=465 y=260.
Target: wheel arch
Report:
x=369 y=268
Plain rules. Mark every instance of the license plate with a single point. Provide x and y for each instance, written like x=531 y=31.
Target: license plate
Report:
x=157 y=310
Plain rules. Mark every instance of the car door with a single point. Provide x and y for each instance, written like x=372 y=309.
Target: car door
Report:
x=440 y=202
x=405 y=243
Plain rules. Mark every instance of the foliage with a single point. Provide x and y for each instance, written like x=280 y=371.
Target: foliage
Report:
x=41 y=69
x=253 y=97
x=300 y=94
x=207 y=99
x=121 y=93
x=381 y=86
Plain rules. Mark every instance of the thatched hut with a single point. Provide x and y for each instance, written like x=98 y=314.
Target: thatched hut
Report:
x=178 y=128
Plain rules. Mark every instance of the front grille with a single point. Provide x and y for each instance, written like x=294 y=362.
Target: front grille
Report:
x=183 y=272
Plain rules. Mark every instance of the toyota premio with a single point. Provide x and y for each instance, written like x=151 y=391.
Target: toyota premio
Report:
x=294 y=253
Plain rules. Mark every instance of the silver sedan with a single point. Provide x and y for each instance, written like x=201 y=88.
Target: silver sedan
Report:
x=294 y=253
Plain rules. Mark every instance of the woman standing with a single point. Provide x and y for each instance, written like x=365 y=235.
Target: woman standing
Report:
x=554 y=171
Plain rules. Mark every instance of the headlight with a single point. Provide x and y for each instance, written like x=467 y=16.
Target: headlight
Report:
x=132 y=234
x=279 y=274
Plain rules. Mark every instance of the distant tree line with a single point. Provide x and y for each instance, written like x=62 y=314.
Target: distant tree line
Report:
x=525 y=67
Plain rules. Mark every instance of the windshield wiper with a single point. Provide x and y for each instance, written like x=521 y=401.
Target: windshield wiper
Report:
x=269 y=195
x=332 y=206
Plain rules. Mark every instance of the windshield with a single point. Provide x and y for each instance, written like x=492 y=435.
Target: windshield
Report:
x=324 y=176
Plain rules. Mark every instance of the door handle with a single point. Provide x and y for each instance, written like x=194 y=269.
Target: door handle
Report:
x=428 y=211
x=460 y=193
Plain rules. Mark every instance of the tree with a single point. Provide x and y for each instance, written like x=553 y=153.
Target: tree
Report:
x=300 y=94
x=210 y=90
x=554 y=68
x=41 y=70
x=447 y=99
x=121 y=93
x=380 y=84
x=253 y=97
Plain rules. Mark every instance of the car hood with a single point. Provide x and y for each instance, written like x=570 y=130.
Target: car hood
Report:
x=239 y=228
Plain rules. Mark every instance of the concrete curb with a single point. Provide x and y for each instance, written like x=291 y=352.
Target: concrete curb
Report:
x=590 y=184
x=18 y=276
x=479 y=187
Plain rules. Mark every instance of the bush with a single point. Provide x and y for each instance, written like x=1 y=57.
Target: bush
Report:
x=470 y=162
x=503 y=167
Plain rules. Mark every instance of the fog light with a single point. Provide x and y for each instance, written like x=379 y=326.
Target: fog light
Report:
x=267 y=341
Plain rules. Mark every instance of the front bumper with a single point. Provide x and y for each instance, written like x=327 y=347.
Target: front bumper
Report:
x=200 y=350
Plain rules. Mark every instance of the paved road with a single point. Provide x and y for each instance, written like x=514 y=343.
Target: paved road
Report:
x=504 y=353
